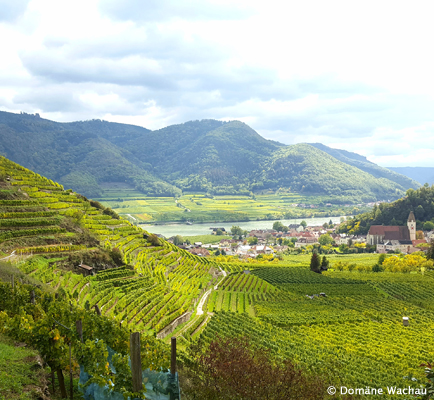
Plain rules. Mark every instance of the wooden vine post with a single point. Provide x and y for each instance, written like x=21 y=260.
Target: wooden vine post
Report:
x=79 y=327
x=173 y=357
x=98 y=311
x=71 y=392
x=136 y=362
x=173 y=368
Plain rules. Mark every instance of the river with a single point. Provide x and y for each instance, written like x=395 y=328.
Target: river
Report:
x=170 y=230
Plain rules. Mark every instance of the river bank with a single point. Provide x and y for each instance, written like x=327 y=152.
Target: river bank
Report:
x=174 y=229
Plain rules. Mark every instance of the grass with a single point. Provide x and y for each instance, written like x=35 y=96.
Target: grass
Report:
x=20 y=375
x=303 y=260
x=199 y=208
x=7 y=270
x=207 y=239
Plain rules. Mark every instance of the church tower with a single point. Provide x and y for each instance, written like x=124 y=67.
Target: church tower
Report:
x=411 y=223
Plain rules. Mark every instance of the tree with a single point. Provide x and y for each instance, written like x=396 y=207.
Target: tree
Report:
x=236 y=231
x=154 y=240
x=419 y=235
x=325 y=239
x=177 y=240
x=252 y=240
x=377 y=268
x=315 y=263
x=268 y=236
x=219 y=232
x=116 y=256
x=303 y=224
x=419 y=212
x=278 y=226
x=325 y=225
x=430 y=252
x=381 y=259
x=428 y=226
x=343 y=248
x=217 y=253
x=324 y=264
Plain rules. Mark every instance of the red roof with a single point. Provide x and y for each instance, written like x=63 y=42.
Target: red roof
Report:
x=390 y=232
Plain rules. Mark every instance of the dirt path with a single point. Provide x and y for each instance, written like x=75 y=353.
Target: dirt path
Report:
x=205 y=296
x=7 y=257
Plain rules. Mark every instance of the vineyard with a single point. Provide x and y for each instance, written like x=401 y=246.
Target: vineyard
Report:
x=345 y=326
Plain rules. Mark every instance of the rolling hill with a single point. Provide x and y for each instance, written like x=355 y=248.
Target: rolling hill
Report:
x=208 y=156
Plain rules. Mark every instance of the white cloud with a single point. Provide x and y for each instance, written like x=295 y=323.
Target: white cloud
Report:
x=357 y=76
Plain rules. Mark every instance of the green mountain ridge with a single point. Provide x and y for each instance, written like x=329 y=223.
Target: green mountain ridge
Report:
x=208 y=156
x=307 y=169
x=361 y=162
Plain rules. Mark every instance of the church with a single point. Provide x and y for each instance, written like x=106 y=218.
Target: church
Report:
x=391 y=238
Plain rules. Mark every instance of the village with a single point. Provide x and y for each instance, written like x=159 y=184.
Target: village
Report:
x=301 y=238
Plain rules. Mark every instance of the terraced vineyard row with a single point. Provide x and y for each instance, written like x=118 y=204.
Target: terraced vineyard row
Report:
x=354 y=335
x=162 y=282
x=354 y=354
x=246 y=283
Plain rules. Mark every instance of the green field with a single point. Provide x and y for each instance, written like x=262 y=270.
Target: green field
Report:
x=304 y=259
x=352 y=337
x=199 y=208
x=207 y=239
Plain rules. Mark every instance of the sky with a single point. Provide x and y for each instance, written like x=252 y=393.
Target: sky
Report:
x=354 y=75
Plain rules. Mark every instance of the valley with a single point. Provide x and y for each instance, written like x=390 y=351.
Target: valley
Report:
x=352 y=335
x=202 y=208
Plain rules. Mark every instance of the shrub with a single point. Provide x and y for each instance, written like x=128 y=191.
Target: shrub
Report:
x=315 y=263
x=231 y=369
x=154 y=240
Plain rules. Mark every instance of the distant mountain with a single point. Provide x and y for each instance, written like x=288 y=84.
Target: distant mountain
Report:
x=356 y=160
x=420 y=174
x=211 y=156
x=305 y=168
x=216 y=156
x=78 y=158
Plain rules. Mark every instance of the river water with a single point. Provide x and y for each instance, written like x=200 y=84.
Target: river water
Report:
x=170 y=230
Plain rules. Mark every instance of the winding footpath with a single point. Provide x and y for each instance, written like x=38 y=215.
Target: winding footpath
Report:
x=205 y=296
x=7 y=257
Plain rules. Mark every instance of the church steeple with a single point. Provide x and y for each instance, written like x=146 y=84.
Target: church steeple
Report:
x=411 y=223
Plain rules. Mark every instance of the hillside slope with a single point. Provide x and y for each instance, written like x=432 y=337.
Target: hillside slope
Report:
x=208 y=156
x=76 y=157
x=305 y=168
x=358 y=161
x=420 y=201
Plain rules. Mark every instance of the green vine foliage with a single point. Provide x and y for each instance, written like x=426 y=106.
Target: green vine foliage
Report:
x=49 y=326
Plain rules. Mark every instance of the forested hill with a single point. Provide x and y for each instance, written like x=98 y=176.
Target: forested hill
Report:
x=358 y=161
x=420 y=201
x=78 y=158
x=208 y=155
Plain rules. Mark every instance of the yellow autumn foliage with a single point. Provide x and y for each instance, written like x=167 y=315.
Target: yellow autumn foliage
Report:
x=407 y=263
